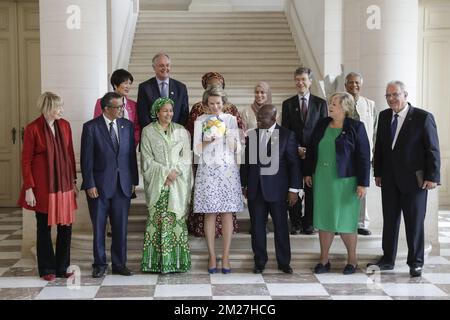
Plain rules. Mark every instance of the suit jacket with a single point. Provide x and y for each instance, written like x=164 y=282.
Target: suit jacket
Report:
x=34 y=162
x=352 y=150
x=415 y=156
x=291 y=117
x=148 y=92
x=131 y=108
x=100 y=165
x=275 y=187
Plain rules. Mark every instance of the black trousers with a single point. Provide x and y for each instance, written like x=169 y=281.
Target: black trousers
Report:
x=413 y=205
x=259 y=210
x=295 y=212
x=49 y=261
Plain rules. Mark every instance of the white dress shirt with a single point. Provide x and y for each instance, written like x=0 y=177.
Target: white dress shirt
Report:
x=125 y=111
x=114 y=125
x=401 y=118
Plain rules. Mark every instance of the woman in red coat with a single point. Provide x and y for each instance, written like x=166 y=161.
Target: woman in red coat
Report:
x=49 y=189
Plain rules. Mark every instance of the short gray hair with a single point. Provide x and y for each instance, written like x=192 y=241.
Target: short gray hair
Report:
x=214 y=91
x=158 y=55
x=397 y=83
x=347 y=102
x=354 y=74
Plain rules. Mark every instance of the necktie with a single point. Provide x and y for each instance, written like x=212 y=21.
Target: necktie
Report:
x=304 y=109
x=113 y=135
x=394 y=127
x=164 y=90
x=265 y=136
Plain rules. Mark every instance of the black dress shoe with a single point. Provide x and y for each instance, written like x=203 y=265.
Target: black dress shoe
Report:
x=415 y=271
x=322 y=268
x=258 y=269
x=381 y=265
x=309 y=230
x=296 y=231
x=286 y=269
x=364 y=232
x=349 y=269
x=122 y=271
x=98 y=272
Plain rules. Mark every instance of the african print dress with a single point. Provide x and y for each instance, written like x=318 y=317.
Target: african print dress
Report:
x=166 y=247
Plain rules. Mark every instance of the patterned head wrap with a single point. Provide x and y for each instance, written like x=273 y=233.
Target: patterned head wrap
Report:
x=158 y=104
x=212 y=75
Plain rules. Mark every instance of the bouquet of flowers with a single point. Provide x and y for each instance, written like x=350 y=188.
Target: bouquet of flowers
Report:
x=213 y=127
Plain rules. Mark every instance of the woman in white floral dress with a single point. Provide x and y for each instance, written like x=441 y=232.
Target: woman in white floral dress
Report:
x=217 y=187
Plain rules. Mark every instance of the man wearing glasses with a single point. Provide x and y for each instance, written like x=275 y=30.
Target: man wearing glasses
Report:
x=109 y=170
x=406 y=166
x=161 y=85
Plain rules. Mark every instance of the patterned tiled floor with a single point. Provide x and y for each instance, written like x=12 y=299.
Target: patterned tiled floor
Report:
x=19 y=282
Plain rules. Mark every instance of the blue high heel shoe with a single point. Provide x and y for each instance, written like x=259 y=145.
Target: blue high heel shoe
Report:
x=212 y=270
x=226 y=271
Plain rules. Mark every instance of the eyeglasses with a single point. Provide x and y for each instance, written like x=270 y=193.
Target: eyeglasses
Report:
x=119 y=107
x=393 y=95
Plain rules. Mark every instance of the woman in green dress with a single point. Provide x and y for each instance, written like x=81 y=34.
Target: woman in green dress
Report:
x=166 y=162
x=338 y=162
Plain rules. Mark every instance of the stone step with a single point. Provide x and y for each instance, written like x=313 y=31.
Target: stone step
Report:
x=163 y=15
x=305 y=250
x=137 y=223
x=151 y=27
x=232 y=56
x=212 y=36
x=148 y=47
x=222 y=62
x=255 y=44
x=241 y=242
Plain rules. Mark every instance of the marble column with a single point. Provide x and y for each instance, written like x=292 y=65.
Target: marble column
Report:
x=73 y=41
x=380 y=42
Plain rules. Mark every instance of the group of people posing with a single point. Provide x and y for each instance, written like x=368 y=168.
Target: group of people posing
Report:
x=200 y=165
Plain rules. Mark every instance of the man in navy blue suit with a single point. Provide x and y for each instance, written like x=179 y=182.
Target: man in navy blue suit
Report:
x=109 y=169
x=406 y=166
x=271 y=180
x=162 y=86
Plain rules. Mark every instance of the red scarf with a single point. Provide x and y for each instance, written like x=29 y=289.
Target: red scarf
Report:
x=61 y=195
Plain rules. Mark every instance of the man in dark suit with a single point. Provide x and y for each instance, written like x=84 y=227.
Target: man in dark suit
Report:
x=270 y=179
x=300 y=114
x=162 y=86
x=406 y=166
x=109 y=169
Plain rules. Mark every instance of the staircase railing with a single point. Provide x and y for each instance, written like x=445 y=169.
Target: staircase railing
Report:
x=304 y=48
x=128 y=36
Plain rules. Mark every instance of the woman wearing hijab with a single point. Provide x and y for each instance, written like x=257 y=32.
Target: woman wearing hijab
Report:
x=263 y=95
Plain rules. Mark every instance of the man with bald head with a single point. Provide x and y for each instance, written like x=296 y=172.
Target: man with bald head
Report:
x=271 y=179
x=406 y=166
